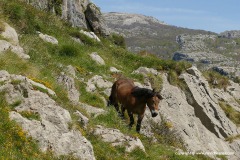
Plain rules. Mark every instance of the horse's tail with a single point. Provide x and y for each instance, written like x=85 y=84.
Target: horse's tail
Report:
x=112 y=97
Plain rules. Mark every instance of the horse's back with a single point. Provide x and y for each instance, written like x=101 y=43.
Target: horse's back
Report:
x=123 y=89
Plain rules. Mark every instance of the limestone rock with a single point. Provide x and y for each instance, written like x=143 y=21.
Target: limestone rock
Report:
x=71 y=71
x=82 y=119
x=116 y=138
x=145 y=71
x=97 y=58
x=10 y=34
x=48 y=38
x=95 y=20
x=51 y=130
x=69 y=84
x=197 y=126
x=206 y=105
x=11 y=43
x=91 y=35
x=98 y=82
x=73 y=11
x=92 y=111
x=114 y=70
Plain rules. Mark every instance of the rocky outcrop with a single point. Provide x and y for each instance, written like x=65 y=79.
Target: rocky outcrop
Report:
x=98 y=82
x=95 y=20
x=206 y=106
x=11 y=42
x=51 y=128
x=69 y=83
x=80 y=13
x=208 y=51
x=230 y=34
x=116 y=138
x=196 y=115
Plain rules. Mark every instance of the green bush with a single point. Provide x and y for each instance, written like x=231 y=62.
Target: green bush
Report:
x=118 y=40
x=68 y=50
x=216 y=80
x=230 y=112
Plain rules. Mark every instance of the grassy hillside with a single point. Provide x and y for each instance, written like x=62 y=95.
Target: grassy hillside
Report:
x=46 y=63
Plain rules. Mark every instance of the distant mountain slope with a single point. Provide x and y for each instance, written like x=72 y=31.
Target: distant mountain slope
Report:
x=147 y=33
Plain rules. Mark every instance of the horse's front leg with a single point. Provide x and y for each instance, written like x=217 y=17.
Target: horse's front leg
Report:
x=130 y=114
x=139 y=121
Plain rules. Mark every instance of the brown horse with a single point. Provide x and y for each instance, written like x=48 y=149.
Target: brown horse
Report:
x=134 y=99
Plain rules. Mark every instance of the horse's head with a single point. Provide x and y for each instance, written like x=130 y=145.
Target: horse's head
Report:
x=153 y=102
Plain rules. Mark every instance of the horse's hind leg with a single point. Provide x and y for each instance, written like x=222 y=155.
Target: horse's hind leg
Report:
x=123 y=110
x=131 y=119
x=140 y=118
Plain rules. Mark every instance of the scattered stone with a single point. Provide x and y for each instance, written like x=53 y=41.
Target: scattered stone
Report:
x=98 y=82
x=91 y=35
x=82 y=119
x=48 y=38
x=97 y=58
x=114 y=70
x=145 y=71
x=116 y=138
x=10 y=34
x=92 y=111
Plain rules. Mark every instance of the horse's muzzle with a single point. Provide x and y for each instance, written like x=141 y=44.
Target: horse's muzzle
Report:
x=154 y=113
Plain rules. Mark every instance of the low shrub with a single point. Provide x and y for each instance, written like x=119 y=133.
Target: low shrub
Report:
x=118 y=40
x=68 y=50
x=230 y=112
x=216 y=80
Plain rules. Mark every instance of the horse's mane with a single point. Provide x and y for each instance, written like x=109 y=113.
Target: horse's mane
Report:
x=142 y=92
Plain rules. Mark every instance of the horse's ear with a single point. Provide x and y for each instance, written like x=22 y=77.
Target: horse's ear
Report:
x=153 y=90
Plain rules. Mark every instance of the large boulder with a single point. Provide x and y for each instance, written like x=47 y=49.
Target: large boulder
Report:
x=11 y=42
x=95 y=20
x=51 y=128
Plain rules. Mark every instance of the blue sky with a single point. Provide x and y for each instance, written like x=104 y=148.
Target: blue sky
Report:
x=210 y=15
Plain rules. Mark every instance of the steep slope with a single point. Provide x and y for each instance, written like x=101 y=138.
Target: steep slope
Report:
x=147 y=33
x=58 y=97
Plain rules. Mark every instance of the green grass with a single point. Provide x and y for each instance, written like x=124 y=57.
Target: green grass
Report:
x=230 y=112
x=31 y=115
x=216 y=80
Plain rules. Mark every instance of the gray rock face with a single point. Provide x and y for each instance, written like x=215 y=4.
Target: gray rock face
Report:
x=51 y=130
x=209 y=51
x=194 y=119
x=73 y=11
x=69 y=84
x=117 y=138
x=80 y=13
x=11 y=43
x=206 y=106
x=95 y=20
